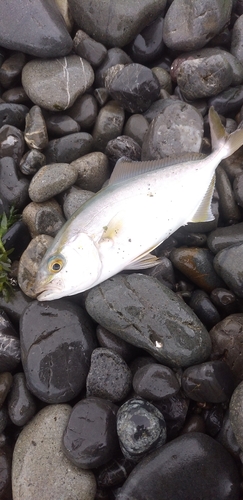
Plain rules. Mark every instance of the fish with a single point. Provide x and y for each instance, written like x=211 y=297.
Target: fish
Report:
x=142 y=205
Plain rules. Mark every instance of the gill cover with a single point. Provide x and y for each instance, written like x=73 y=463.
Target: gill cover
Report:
x=88 y=259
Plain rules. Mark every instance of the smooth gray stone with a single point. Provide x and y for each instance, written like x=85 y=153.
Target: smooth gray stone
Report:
x=93 y=170
x=74 y=198
x=51 y=180
x=21 y=404
x=55 y=84
x=190 y=24
x=228 y=263
x=115 y=24
x=109 y=124
x=191 y=466
x=40 y=469
x=35 y=27
x=224 y=237
x=147 y=314
x=43 y=218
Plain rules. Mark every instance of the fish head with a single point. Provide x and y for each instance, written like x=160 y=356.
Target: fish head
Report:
x=70 y=266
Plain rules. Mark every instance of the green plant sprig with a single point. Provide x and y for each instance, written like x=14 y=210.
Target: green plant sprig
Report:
x=5 y=262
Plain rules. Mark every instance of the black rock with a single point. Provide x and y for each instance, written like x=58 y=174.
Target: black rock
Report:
x=227 y=339
x=60 y=125
x=10 y=71
x=134 y=86
x=13 y=189
x=210 y=382
x=56 y=344
x=190 y=463
x=149 y=43
x=155 y=382
x=204 y=308
x=174 y=410
x=114 y=56
x=21 y=404
x=11 y=142
x=140 y=427
x=13 y=114
x=68 y=148
x=17 y=238
x=228 y=263
x=89 y=49
x=90 y=438
x=224 y=237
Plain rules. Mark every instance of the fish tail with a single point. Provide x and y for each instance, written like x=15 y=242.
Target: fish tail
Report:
x=226 y=144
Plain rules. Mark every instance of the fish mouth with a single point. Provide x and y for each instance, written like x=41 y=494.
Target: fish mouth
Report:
x=48 y=291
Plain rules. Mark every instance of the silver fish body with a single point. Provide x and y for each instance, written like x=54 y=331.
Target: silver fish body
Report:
x=144 y=203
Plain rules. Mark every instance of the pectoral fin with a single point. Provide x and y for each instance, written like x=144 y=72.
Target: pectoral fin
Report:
x=204 y=211
x=143 y=262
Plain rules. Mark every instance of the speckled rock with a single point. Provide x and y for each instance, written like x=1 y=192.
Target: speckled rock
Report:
x=51 y=180
x=49 y=345
x=43 y=218
x=40 y=468
x=189 y=463
x=141 y=428
x=144 y=312
x=30 y=261
x=109 y=376
x=228 y=263
x=93 y=170
x=109 y=124
x=189 y=25
x=181 y=127
x=118 y=27
x=46 y=36
x=134 y=86
x=75 y=197
x=55 y=84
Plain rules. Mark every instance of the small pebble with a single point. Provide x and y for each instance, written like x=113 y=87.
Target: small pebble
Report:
x=35 y=132
x=51 y=180
x=11 y=142
x=31 y=162
x=227 y=340
x=6 y=380
x=60 y=125
x=68 y=148
x=140 y=427
x=90 y=438
x=228 y=263
x=10 y=71
x=21 y=404
x=43 y=218
x=84 y=111
x=93 y=170
x=224 y=237
x=109 y=376
x=30 y=261
x=13 y=114
x=212 y=382
x=155 y=382
x=109 y=124
x=74 y=199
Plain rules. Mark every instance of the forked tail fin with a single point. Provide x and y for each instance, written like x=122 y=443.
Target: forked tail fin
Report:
x=225 y=144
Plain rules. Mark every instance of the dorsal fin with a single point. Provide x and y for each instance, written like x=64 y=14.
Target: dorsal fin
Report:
x=126 y=169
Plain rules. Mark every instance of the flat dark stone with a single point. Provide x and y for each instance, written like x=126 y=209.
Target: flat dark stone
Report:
x=36 y=28
x=212 y=382
x=13 y=114
x=68 y=148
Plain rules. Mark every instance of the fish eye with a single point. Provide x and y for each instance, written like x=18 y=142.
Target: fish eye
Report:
x=55 y=264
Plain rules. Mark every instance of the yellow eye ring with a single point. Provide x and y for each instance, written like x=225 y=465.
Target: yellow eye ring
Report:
x=55 y=264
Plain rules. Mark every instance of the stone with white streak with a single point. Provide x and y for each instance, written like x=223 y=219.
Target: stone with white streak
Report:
x=55 y=84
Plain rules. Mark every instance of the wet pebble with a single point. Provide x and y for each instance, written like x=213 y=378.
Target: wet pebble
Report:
x=109 y=124
x=21 y=404
x=136 y=126
x=140 y=427
x=227 y=339
x=60 y=125
x=93 y=170
x=6 y=380
x=116 y=344
x=181 y=127
x=210 y=471
x=204 y=308
x=9 y=345
x=89 y=49
x=46 y=38
x=196 y=264
x=224 y=300
x=16 y=95
x=55 y=84
x=30 y=261
x=204 y=77
x=109 y=376
x=75 y=197
x=13 y=114
x=84 y=111
x=43 y=218
x=114 y=472
x=224 y=237
x=11 y=142
x=35 y=132
x=155 y=382
x=189 y=26
x=10 y=71
x=114 y=56
x=122 y=26
x=13 y=187
x=236 y=414
x=135 y=307
x=122 y=146
x=134 y=86
x=33 y=475
x=227 y=438
x=212 y=382
x=51 y=180
x=149 y=43
x=228 y=263
x=31 y=162
x=53 y=346
x=90 y=438
x=68 y=148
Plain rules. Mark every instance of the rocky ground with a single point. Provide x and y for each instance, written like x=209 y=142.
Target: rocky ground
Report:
x=134 y=389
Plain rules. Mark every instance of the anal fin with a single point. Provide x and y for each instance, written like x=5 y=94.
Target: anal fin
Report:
x=204 y=211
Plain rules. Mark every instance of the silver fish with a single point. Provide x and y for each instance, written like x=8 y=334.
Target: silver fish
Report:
x=143 y=204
